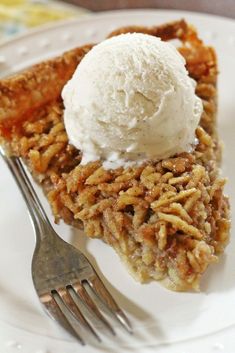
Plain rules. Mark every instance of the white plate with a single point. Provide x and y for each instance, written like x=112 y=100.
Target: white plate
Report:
x=163 y=321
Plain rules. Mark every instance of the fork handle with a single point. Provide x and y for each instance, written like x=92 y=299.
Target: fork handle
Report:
x=37 y=214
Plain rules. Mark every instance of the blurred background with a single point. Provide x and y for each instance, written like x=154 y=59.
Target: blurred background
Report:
x=221 y=7
x=17 y=16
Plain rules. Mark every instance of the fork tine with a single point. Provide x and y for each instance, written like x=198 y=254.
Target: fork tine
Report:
x=103 y=294
x=81 y=292
x=57 y=314
x=75 y=311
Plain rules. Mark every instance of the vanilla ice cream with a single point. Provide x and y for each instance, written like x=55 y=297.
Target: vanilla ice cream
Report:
x=130 y=100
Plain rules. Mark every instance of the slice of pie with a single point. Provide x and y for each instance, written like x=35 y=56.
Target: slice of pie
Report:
x=168 y=220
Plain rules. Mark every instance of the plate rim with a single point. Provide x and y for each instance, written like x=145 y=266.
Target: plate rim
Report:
x=87 y=17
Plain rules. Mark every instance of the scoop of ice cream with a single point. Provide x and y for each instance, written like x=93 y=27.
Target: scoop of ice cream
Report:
x=129 y=100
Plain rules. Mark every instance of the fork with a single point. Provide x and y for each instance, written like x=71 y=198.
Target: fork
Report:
x=61 y=274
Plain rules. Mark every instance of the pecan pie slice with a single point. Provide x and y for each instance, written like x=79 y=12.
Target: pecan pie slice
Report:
x=168 y=220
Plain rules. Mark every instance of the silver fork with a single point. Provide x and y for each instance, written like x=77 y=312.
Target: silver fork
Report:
x=61 y=274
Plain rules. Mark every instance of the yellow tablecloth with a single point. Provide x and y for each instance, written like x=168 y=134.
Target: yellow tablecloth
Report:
x=16 y=16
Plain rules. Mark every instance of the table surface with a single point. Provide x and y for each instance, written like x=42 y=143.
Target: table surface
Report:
x=217 y=7
x=17 y=16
